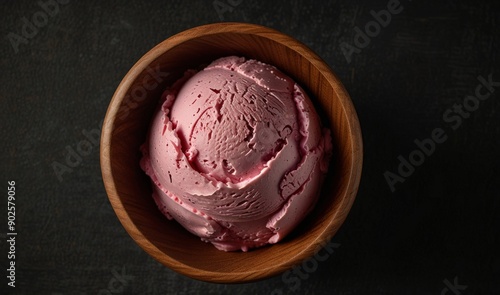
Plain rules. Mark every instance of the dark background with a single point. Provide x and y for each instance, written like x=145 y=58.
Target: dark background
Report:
x=439 y=226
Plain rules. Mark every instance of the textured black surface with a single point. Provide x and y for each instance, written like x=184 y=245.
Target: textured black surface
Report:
x=440 y=225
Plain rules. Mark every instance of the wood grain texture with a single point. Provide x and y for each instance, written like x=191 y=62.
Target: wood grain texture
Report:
x=125 y=128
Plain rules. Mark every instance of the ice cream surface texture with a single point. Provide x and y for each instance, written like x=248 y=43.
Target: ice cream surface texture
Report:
x=236 y=153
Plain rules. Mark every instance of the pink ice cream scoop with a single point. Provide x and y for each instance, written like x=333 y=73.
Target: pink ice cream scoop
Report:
x=236 y=153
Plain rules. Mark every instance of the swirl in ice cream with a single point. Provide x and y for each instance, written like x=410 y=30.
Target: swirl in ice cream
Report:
x=236 y=153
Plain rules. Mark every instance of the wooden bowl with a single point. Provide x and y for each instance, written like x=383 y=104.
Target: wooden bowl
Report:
x=128 y=118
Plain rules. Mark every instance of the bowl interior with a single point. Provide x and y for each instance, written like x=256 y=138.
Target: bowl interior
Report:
x=126 y=126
